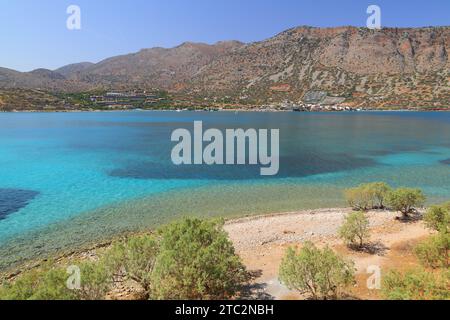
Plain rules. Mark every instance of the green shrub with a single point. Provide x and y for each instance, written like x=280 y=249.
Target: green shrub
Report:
x=197 y=262
x=359 y=198
x=379 y=192
x=41 y=284
x=50 y=283
x=368 y=196
x=416 y=285
x=96 y=281
x=355 y=230
x=405 y=200
x=319 y=273
x=438 y=217
x=434 y=252
x=135 y=259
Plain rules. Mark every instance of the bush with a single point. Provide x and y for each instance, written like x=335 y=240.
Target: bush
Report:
x=50 y=283
x=40 y=284
x=405 y=200
x=359 y=198
x=192 y=259
x=434 y=252
x=368 y=196
x=438 y=217
x=196 y=262
x=379 y=192
x=96 y=281
x=320 y=273
x=355 y=230
x=416 y=285
x=135 y=259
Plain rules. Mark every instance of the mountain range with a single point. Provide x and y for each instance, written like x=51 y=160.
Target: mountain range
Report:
x=407 y=67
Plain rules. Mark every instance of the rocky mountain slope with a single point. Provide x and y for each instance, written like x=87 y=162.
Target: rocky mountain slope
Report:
x=73 y=69
x=391 y=66
x=346 y=65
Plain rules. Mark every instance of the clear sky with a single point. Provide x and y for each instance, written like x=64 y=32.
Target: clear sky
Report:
x=33 y=33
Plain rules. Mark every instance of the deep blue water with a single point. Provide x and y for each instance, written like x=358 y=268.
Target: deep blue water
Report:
x=12 y=200
x=56 y=166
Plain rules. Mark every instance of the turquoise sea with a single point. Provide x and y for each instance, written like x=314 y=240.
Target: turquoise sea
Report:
x=68 y=179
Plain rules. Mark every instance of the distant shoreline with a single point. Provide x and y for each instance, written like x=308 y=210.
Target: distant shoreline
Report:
x=224 y=111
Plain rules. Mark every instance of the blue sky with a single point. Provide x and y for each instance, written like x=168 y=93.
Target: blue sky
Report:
x=33 y=33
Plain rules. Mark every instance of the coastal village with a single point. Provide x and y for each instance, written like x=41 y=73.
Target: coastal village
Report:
x=39 y=100
x=128 y=100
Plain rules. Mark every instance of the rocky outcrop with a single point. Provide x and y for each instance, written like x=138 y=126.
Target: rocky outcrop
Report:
x=378 y=68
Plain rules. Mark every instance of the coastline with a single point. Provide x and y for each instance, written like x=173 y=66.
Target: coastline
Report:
x=224 y=110
x=261 y=241
x=83 y=250
x=87 y=247
x=261 y=205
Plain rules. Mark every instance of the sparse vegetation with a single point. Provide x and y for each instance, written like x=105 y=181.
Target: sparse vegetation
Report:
x=95 y=279
x=438 y=217
x=355 y=230
x=50 y=283
x=191 y=259
x=194 y=259
x=134 y=258
x=318 y=272
x=406 y=200
x=416 y=285
x=379 y=192
x=422 y=284
x=197 y=261
x=368 y=196
x=45 y=283
x=358 y=198
x=434 y=252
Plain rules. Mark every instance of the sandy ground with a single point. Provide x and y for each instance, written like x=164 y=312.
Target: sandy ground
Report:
x=262 y=241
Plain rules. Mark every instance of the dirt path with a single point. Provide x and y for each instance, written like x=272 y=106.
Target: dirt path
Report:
x=262 y=241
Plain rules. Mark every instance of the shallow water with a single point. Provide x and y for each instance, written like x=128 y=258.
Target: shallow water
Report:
x=67 y=178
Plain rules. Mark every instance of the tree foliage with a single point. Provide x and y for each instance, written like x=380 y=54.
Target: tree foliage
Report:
x=379 y=192
x=50 y=283
x=191 y=259
x=45 y=283
x=96 y=281
x=319 y=273
x=358 y=198
x=438 y=217
x=434 y=252
x=134 y=258
x=405 y=200
x=355 y=230
x=197 y=262
x=416 y=285
x=368 y=196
